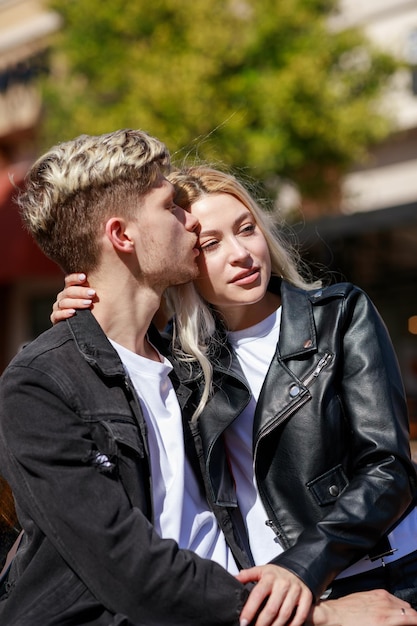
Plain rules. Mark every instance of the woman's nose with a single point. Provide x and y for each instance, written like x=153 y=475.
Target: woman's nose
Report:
x=238 y=252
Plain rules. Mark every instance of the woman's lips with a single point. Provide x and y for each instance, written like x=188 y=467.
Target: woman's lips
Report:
x=246 y=278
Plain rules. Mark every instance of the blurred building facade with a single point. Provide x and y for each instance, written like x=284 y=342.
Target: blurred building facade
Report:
x=389 y=178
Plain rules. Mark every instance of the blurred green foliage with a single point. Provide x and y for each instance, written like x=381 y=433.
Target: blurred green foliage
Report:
x=258 y=84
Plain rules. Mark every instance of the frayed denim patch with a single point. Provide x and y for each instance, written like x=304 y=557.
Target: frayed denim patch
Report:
x=101 y=461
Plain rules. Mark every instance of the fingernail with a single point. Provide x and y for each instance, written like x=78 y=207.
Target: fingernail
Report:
x=91 y=292
x=243 y=622
x=87 y=302
x=82 y=276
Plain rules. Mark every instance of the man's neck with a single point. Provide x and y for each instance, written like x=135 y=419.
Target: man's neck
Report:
x=125 y=315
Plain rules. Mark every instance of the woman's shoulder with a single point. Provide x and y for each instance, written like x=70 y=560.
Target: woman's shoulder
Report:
x=345 y=293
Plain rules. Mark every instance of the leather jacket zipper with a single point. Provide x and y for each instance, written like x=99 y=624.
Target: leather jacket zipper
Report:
x=301 y=399
x=319 y=367
x=292 y=409
x=307 y=381
x=272 y=525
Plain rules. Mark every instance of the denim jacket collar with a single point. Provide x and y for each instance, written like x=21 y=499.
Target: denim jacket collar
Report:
x=95 y=346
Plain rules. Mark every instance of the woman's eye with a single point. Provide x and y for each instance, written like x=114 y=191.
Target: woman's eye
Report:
x=208 y=245
x=248 y=228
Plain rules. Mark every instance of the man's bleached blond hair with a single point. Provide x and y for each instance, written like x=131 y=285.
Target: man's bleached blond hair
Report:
x=73 y=189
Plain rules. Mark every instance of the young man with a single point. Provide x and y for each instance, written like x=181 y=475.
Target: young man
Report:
x=72 y=432
x=90 y=427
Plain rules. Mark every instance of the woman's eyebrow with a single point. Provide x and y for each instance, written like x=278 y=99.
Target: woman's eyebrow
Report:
x=237 y=221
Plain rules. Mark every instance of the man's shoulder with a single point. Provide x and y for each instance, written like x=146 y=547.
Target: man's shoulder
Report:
x=44 y=345
x=51 y=358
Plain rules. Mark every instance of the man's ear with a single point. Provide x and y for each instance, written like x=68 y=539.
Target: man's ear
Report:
x=117 y=233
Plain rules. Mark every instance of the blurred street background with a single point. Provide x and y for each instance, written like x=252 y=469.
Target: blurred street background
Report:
x=414 y=450
x=312 y=101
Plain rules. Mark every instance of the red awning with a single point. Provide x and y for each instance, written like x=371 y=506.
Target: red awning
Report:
x=20 y=257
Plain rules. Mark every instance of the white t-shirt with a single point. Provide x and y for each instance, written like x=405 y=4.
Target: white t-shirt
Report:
x=180 y=510
x=254 y=348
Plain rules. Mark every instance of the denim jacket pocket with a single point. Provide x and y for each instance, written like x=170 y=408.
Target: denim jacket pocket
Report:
x=125 y=434
x=114 y=441
x=129 y=460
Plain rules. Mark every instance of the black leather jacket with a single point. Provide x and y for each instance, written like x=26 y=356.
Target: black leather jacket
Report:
x=330 y=435
x=73 y=448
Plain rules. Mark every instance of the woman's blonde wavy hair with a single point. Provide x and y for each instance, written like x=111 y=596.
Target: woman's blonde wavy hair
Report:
x=194 y=322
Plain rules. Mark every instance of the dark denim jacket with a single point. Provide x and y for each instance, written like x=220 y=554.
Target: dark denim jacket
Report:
x=73 y=448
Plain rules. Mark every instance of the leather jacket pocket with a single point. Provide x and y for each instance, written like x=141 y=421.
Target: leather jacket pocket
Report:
x=329 y=486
